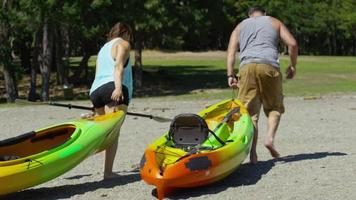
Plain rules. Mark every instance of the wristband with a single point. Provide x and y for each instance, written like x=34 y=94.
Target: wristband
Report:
x=232 y=76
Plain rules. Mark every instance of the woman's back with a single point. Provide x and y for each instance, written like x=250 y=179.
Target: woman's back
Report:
x=105 y=66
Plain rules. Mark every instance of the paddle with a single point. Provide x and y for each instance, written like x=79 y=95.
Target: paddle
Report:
x=226 y=118
x=70 y=106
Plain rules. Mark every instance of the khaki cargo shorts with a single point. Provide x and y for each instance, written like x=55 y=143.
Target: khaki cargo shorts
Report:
x=261 y=85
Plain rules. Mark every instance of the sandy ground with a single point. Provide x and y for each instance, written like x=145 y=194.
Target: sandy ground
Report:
x=316 y=139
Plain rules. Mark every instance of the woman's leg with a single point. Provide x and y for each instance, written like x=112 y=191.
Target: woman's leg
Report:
x=100 y=111
x=110 y=152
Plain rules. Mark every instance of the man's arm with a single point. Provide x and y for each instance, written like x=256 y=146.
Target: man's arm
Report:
x=289 y=40
x=231 y=56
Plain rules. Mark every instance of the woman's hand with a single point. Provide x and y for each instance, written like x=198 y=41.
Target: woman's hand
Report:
x=117 y=95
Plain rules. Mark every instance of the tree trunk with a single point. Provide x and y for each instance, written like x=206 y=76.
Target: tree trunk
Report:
x=285 y=50
x=32 y=95
x=138 y=64
x=334 y=44
x=10 y=85
x=46 y=60
x=334 y=40
x=83 y=65
x=354 y=46
x=66 y=51
x=5 y=55
x=61 y=68
x=25 y=57
x=331 y=50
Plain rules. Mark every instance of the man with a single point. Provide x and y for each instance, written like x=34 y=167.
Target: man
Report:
x=259 y=80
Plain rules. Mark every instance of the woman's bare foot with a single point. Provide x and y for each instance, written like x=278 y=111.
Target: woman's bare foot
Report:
x=111 y=175
x=87 y=115
x=274 y=153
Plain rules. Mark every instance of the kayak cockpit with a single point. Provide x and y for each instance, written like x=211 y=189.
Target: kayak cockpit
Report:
x=32 y=143
x=192 y=134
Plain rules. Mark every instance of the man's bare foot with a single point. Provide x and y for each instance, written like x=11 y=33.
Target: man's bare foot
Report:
x=253 y=158
x=111 y=176
x=274 y=153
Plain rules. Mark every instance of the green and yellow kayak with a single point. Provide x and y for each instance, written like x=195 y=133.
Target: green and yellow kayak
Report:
x=167 y=166
x=39 y=156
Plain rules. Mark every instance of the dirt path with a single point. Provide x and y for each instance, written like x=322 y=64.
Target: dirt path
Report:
x=316 y=139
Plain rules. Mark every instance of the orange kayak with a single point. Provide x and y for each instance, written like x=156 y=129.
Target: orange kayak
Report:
x=167 y=165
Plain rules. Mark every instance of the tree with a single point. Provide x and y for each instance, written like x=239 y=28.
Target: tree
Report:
x=146 y=18
x=88 y=22
x=40 y=19
x=5 y=53
x=45 y=58
x=159 y=23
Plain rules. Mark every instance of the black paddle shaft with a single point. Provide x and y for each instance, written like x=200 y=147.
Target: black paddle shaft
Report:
x=70 y=106
x=227 y=117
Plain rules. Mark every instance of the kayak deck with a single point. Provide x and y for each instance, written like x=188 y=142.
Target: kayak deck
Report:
x=168 y=166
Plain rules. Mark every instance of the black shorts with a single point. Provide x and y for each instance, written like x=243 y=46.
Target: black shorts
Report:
x=102 y=95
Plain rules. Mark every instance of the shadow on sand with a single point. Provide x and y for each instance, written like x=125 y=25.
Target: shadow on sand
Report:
x=68 y=191
x=247 y=174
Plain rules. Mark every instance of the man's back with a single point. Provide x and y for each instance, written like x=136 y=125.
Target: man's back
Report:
x=258 y=39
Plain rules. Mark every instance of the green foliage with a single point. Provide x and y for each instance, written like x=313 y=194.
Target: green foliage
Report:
x=321 y=27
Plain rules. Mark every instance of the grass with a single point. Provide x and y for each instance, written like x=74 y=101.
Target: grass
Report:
x=204 y=75
x=188 y=75
x=323 y=75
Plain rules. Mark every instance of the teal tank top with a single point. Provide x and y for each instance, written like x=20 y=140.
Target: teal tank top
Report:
x=105 y=65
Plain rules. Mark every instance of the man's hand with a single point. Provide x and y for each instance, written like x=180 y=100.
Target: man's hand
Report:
x=231 y=53
x=291 y=71
x=117 y=95
x=232 y=82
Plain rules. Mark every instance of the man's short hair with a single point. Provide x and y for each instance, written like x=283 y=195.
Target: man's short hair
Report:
x=256 y=9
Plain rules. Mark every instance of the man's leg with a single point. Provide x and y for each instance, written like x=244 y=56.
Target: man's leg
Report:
x=254 y=107
x=270 y=79
x=272 y=126
x=249 y=96
x=253 y=152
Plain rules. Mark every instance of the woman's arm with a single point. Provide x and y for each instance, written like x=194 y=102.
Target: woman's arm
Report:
x=122 y=54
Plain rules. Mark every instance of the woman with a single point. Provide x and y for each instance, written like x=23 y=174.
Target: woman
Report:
x=112 y=86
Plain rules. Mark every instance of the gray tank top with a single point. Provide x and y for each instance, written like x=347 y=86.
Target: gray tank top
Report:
x=258 y=41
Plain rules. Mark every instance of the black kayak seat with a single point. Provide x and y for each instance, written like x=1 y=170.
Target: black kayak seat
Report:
x=188 y=130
